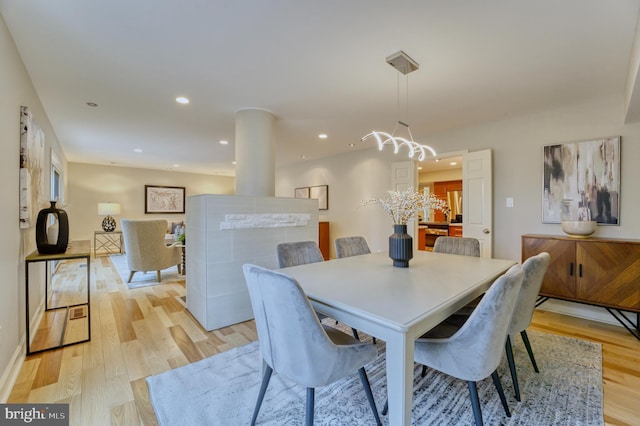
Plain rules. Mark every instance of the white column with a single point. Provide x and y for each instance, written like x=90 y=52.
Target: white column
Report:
x=255 y=153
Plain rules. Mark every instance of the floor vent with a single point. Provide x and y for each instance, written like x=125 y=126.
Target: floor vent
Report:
x=77 y=313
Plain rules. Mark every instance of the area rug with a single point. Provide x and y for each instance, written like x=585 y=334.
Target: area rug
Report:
x=222 y=390
x=143 y=279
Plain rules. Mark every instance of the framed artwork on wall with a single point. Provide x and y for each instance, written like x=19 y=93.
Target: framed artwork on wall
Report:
x=302 y=192
x=164 y=199
x=321 y=193
x=32 y=183
x=581 y=181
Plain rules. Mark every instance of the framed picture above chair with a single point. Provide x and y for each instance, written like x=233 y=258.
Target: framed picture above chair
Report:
x=164 y=199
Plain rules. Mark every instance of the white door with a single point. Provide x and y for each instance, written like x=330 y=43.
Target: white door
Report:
x=403 y=175
x=477 y=199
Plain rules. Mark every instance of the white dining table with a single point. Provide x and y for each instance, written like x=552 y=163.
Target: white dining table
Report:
x=396 y=305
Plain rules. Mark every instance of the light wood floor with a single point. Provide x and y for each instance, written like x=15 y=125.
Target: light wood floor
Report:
x=142 y=332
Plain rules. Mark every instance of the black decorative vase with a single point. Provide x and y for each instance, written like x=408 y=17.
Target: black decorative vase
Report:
x=400 y=246
x=43 y=235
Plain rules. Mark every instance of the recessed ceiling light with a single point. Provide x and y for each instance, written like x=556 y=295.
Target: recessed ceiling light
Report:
x=224 y=142
x=92 y=104
x=303 y=156
x=453 y=163
x=182 y=100
x=323 y=136
x=138 y=150
x=352 y=145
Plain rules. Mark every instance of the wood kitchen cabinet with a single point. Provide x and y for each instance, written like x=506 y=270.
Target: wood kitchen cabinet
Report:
x=324 y=240
x=440 y=190
x=455 y=231
x=596 y=271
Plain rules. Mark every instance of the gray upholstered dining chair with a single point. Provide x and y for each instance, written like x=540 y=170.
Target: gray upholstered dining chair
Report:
x=474 y=351
x=144 y=243
x=294 y=344
x=454 y=245
x=351 y=246
x=300 y=253
x=534 y=269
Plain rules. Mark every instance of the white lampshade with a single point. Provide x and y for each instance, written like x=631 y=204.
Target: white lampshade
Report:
x=108 y=209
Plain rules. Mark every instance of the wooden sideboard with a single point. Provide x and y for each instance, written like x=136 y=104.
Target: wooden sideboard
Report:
x=596 y=271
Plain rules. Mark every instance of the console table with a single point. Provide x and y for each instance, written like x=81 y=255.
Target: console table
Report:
x=602 y=272
x=75 y=250
x=108 y=242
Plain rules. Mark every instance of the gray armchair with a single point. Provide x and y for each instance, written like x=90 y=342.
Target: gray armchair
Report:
x=296 y=345
x=145 y=247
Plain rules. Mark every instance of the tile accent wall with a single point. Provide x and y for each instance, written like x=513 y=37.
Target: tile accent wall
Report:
x=216 y=250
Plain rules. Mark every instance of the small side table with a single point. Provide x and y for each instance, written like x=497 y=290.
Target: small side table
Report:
x=183 y=257
x=108 y=242
x=75 y=250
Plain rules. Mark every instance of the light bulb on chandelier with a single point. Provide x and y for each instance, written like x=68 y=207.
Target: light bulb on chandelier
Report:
x=404 y=64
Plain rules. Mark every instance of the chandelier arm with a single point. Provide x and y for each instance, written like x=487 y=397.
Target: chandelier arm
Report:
x=394 y=140
x=408 y=143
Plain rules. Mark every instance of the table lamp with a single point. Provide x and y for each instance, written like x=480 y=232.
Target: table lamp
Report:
x=108 y=209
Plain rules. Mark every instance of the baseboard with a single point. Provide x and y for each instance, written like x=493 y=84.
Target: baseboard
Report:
x=10 y=374
x=594 y=313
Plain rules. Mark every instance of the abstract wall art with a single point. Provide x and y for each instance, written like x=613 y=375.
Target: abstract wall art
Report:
x=582 y=181
x=32 y=191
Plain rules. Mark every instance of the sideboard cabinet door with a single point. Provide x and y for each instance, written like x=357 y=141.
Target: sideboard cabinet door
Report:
x=560 y=279
x=610 y=274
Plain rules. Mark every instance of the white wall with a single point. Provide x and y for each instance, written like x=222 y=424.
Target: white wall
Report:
x=16 y=90
x=517 y=145
x=352 y=178
x=90 y=184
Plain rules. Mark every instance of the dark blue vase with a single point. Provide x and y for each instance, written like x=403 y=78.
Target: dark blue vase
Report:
x=400 y=246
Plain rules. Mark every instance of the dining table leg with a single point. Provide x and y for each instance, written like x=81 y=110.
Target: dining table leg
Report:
x=399 y=353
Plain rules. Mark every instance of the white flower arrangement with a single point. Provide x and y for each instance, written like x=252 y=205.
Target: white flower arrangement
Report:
x=401 y=206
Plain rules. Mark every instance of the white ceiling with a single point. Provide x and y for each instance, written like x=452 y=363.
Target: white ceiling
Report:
x=318 y=66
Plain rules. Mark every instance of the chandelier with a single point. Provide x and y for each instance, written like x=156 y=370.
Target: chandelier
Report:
x=404 y=64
